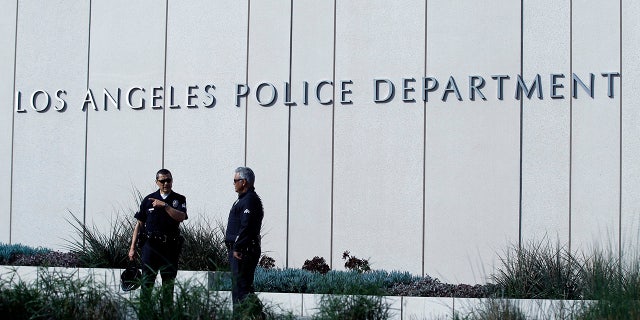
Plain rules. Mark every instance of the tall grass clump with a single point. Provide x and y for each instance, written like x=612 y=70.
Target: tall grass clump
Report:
x=613 y=284
x=204 y=247
x=98 y=249
x=609 y=286
x=56 y=295
x=494 y=309
x=192 y=300
x=353 y=307
x=538 y=270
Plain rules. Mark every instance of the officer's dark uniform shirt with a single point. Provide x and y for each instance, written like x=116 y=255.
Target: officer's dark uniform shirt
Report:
x=157 y=220
x=245 y=221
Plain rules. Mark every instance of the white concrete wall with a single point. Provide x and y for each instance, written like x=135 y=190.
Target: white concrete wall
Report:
x=378 y=148
x=49 y=147
x=630 y=95
x=311 y=137
x=546 y=125
x=204 y=145
x=7 y=56
x=472 y=154
x=124 y=147
x=438 y=188
x=595 y=168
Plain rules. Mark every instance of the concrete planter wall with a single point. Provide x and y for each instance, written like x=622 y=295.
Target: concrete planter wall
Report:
x=306 y=305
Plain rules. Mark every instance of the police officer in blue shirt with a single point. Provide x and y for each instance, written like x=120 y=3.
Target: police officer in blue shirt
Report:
x=157 y=234
x=242 y=236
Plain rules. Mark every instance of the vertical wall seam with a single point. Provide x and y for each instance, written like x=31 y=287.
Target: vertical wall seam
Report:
x=521 y=125
x=424 y=146
x=620 y=146
x=570 y=119
x=289 y=135
x=86 y=130
x=13 y=120
x=333 y=132
x=246 y=80
x=164 y=79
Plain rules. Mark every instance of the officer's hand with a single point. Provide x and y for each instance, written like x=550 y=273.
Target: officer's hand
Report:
x=237 y=255
x=132 y=253
x=157 y=203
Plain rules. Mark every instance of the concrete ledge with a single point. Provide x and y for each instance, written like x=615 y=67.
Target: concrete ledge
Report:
x=306 y=305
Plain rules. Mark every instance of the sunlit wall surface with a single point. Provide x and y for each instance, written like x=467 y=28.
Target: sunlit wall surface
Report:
x=426 y=136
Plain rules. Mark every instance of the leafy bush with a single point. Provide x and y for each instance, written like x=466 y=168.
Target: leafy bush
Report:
x=48 y=259
x=267 y=262
x=10 y=252
x=355 y=264
x=317 y=264
x=333 y=282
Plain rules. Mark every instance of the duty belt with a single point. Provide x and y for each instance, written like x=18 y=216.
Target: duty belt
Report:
x=162 y=237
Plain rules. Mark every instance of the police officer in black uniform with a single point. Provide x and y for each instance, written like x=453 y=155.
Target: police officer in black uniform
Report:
x=243 y=234
x=157 y=234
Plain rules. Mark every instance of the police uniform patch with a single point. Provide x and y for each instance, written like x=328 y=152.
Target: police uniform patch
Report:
x=247 y=211
x=175 y=203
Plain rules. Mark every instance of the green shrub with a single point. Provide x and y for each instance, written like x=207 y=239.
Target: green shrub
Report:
x=538 y=270
x=204 y=247
x=333 y=282
x=352 y=307
x=496 y=309
x=9 y=252
x=102 y=250
x=59 y=296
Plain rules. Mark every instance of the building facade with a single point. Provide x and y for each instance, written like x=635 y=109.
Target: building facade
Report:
x=427 y=136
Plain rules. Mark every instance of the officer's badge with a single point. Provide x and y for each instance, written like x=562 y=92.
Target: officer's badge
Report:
x=247 y=211
x=175 y=203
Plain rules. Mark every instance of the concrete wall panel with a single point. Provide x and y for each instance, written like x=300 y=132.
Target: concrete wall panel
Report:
x=379 y=148
x=630 y=95
x=203 y=145
x=7 y=58
x=472 y=155
x=546 y=124
x=124 y=147
x=311 y=133
x=49 y=146
x=595 y=190
x=268 y=126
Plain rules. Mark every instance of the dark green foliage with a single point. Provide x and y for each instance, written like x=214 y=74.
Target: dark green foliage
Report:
x=355 y=264
x=10 y=252
x=497 y=309
x=58 y=296
x=103 y=250
x=539 y=270
x=267 y=262
x=352 y=307
x=333 y=282
x=204 y=247
x=317 y=264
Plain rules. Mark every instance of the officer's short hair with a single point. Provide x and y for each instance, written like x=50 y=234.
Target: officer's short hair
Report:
x=247 y=174
x=163 y=172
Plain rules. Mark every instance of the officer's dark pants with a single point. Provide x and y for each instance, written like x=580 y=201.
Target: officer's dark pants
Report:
x=159 y=256
x=242 y=272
